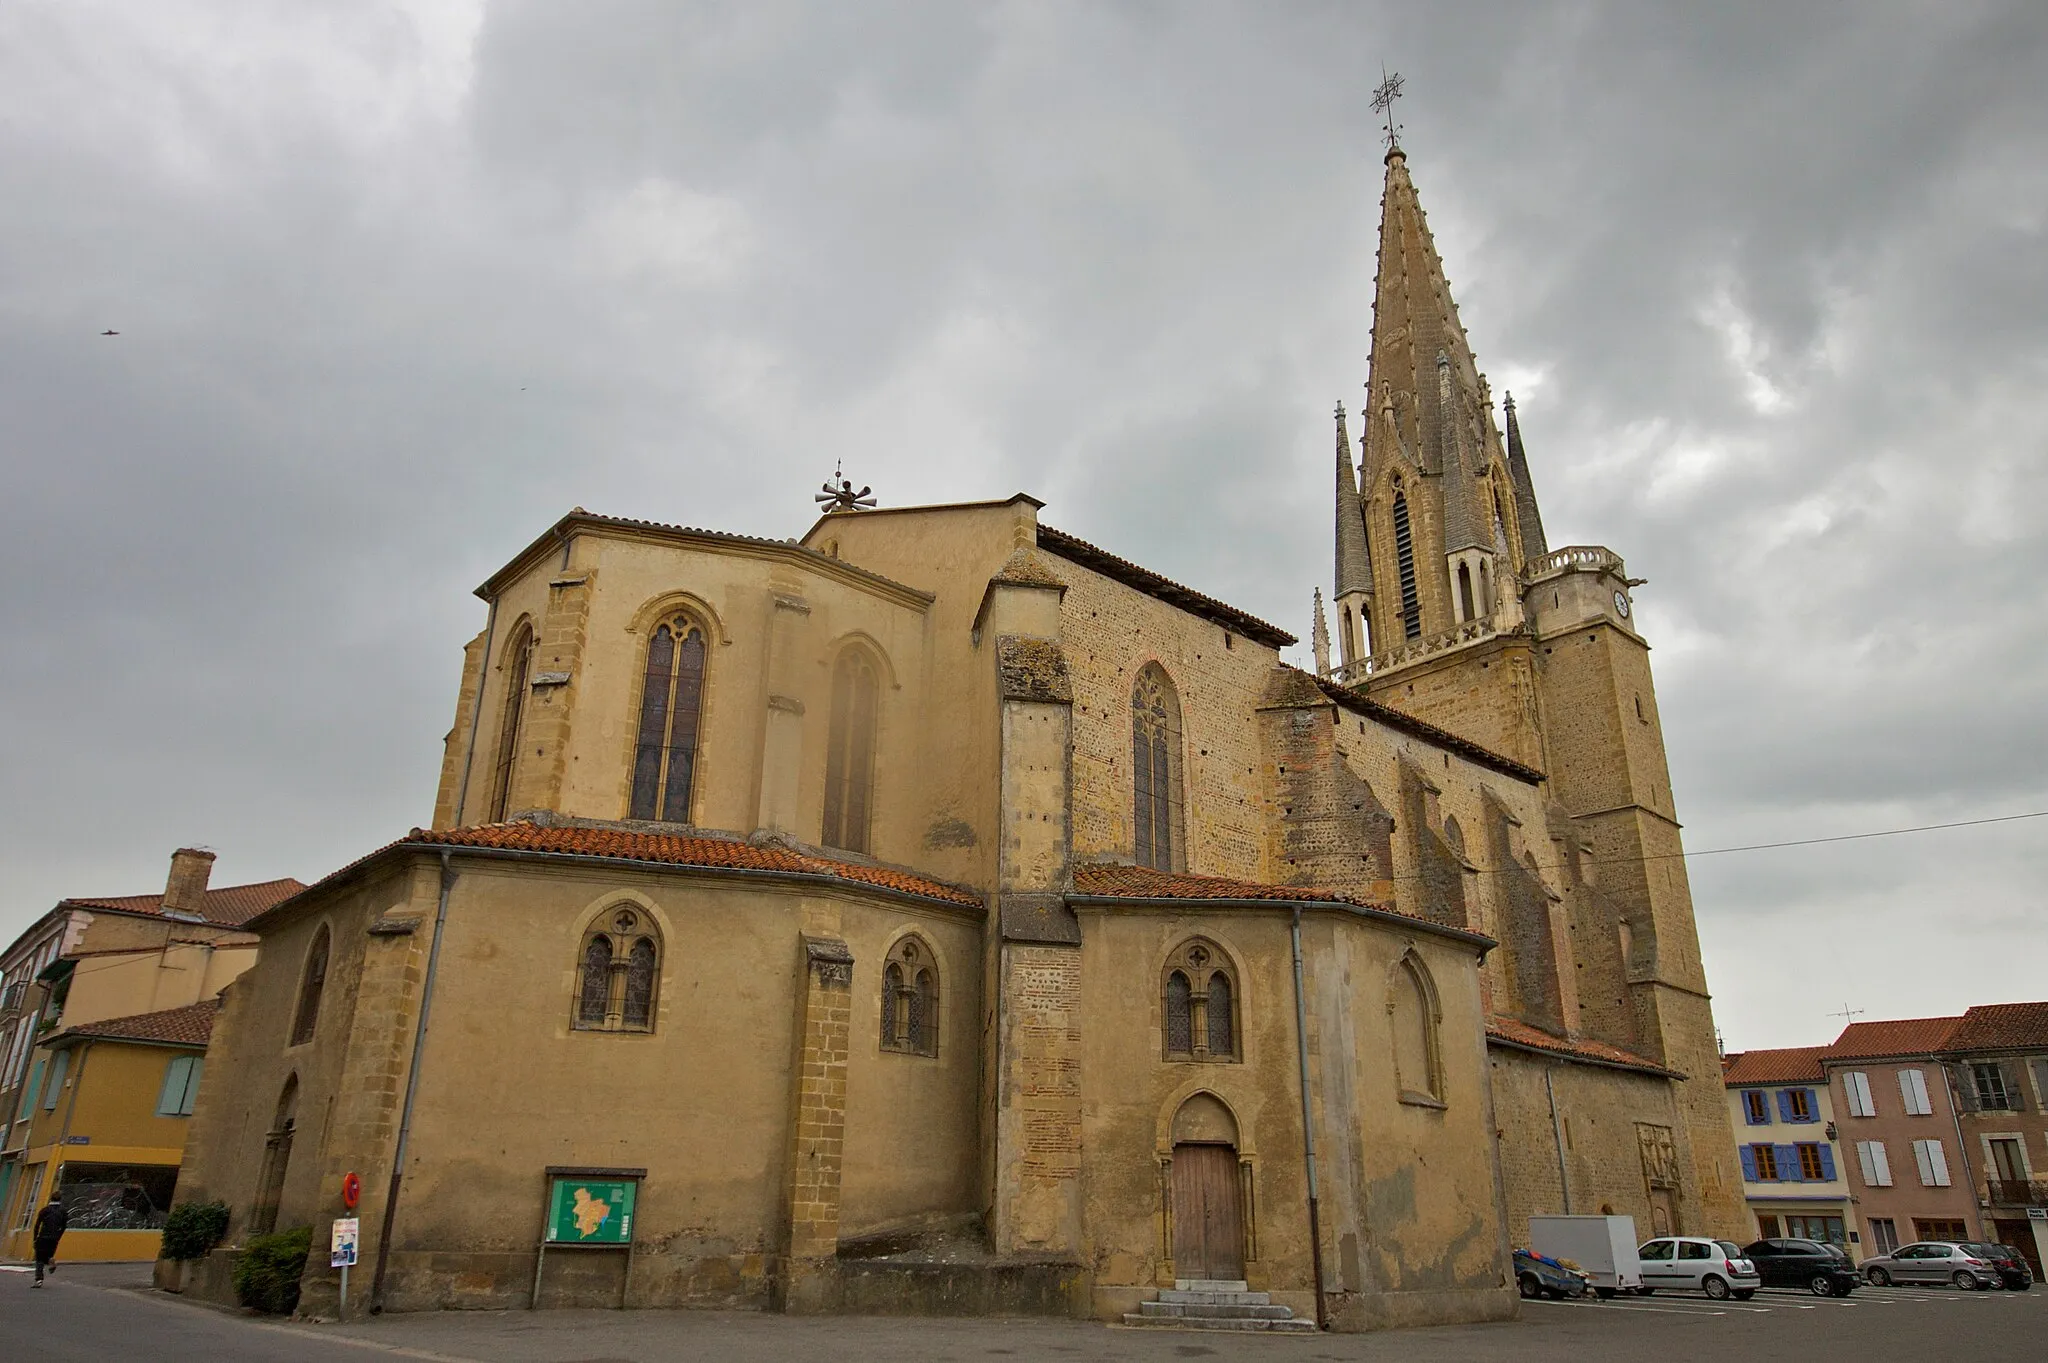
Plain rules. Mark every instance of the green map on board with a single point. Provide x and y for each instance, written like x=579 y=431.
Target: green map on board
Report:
x=590 y=1211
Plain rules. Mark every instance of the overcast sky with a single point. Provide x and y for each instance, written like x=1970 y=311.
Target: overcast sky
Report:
x=399 y=284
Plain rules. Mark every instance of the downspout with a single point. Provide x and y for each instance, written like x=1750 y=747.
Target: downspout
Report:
x=1564 y=1178
x=412 y=1088
x=1954 y=1086
x=476 y=714
x=1308 y=1130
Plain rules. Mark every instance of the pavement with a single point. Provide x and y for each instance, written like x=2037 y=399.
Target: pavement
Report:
x=109 y=1311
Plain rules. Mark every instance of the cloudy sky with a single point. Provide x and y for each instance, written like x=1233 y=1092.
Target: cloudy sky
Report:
x=398 y=284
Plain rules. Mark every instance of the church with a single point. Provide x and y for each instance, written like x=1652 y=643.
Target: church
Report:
x=940 y=913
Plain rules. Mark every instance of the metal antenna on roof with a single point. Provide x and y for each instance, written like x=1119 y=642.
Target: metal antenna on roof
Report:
x=1849 y=1015
x=838 y=494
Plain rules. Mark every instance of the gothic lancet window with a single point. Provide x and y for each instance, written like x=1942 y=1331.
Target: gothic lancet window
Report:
x=517 y=667
x=311 y=984
x=850 y=753
x=1156 y=800
x=1200 y=1004
x=671 y=699
x=910 y=999
x=618 y=974
x=1414 y=1014
x=1404 y=550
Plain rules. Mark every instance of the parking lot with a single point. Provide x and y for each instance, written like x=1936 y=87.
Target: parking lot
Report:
x=1771 y=1300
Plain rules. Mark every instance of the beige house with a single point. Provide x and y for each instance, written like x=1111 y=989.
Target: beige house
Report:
x=1793 y=1171
x=941 y=912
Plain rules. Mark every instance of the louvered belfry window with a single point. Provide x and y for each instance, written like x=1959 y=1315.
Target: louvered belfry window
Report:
x=850 y=753
x=518 y=672
x=1404 y=549
x=672 y=697
x=1156 y=801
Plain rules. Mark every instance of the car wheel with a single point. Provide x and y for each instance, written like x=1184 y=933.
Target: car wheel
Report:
x=1821 y=1285
x=1531 y=1288
x=1964 y=1282
x=1715 y=1286
x=1606 y=1293
x=1744 y=1294
x=1879 y=1278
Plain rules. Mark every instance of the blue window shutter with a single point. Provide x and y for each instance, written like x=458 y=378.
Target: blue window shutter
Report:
x=1812 y=1105
x=1785 y=1105
x=1749 y=1163
x=1788 y=1164
x=1827 y=1163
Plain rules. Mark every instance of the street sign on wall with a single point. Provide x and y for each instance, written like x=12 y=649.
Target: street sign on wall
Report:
x=590 y=1211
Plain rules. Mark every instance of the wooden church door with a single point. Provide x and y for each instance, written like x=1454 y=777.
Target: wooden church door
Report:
x=1208 y=1216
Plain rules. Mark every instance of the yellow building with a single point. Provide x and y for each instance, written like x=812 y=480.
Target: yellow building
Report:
x=941 y=912
x=106 y=1129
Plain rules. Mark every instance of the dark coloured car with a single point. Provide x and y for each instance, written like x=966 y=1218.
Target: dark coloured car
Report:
x=1821 y=1269
x=1539 y=1275
x=2013 y=1272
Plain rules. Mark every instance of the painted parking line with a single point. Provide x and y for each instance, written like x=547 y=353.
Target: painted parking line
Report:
x=1673 y=1310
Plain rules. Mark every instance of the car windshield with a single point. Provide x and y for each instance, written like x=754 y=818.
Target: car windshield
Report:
x=1983 y=1251
x=1729 y=1248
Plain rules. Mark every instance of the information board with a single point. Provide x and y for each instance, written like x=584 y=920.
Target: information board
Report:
x=590 y=1211
x=341 y=1247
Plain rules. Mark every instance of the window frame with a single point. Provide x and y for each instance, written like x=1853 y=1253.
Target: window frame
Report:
x=1157 y=747
x=1756 y=1107
x=908 y=1016
x=1198 y=961
x=621 y=927
x=682 y=624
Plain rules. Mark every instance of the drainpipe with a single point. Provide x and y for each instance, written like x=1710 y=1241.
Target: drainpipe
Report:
x=1954 y=1084
x=1308 y=1130
x=412 y=1088
x=1564 y=1178
x=476 y=714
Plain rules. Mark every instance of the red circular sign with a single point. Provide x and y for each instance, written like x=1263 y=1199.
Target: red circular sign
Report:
x=351 y=1191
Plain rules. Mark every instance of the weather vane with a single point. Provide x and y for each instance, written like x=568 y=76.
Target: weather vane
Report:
x=838 y=494
x=1383 y=103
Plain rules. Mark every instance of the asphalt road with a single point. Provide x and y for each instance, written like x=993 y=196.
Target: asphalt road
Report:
x=106 y=1312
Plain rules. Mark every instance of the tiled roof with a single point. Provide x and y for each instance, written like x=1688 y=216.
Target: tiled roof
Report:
x=1141 y=882
x=2001 y=1026
x=1080 y=551
x=191 y=1025
x=229 y=907
x=1902 y=1036
x=668 y=849
x=1520 y=1035
x=1356 y=700
x=1793 y=1065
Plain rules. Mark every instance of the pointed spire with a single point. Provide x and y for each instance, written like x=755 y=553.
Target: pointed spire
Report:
x=1354 y=565
x=1319 y=638
x=1526 y=514
x=1463 y=528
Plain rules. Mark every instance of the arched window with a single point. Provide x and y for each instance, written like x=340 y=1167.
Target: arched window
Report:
x=1201 y=1006
x=1453 y=834
x=306 y=1019
x=850 y=754
x=1155 y=772
x=910 y=999
x=671 y=700
x=518 y=667
x=277 y=1158
x=618 y=974
x=1404 y=551
x=1412 y=1009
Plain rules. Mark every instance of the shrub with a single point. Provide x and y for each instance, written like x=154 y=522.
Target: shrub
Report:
x=193 y=1228
x=267 y=1274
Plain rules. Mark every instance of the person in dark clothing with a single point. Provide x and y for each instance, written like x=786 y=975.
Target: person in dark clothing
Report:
x=51 y=1223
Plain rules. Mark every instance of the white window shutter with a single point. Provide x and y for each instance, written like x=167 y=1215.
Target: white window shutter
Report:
x=1867 y=1164
x=1926 y=1168
x=1939 y=1161
x=1883 y=1162
x=1857 y=1084
x=1913 y=1089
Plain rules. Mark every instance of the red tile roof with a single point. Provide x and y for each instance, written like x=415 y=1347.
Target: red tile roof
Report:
x=1141 y=882
x=1901 y=1036
x=2001 y=1026
x=1794 y=1065
x=191 y=1025
x=1521 y=1036
x=1077 y=550
x=228 y=907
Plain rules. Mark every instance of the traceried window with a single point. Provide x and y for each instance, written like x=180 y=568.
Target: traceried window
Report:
x=850 y=754
x=1199 y=1000
x=307 y=1017
x=1156 y=798
x=1404 y=552
x=671 y=702
x=1413 y=1012
x=910 y=999
x=618 y=975
x=518 y=667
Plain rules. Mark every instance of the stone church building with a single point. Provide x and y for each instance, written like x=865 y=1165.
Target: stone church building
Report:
x=939 y=912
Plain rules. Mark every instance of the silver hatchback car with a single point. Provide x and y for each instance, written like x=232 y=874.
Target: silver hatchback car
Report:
x=1696 y=1264
x=1932 y=1261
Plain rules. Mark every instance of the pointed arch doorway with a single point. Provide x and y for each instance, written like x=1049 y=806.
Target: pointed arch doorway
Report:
x=1207 y=1193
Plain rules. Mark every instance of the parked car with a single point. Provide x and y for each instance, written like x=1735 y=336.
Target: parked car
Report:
x=1821 y=1269
x=1933 y=1261
x=1539 y=1275
x=1715 y=1267
x=2012 y=1265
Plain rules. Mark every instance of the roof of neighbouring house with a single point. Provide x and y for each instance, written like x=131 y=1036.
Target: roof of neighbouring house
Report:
x=191 y=1025
x=2000 y=1026
x=1899 y=1036
x=1792 y=1065
x=1519 y=1035
x=228 y=907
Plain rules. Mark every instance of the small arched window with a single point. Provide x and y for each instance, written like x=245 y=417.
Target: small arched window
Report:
x=671 y=704
x=910 y=999
x=518 y=669
x=1412 y=1009
x=618 y=974
x=1156 y=799
x=850 y=753
x=306 y=1018
x=1404 y=553
x=1202 y=1011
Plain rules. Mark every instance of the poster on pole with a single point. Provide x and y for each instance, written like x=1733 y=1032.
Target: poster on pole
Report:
x=590 y=1211
x=341 y=1246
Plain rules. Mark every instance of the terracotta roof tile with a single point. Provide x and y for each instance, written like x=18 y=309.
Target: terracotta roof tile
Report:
x=1797 y=1064
x=1900 y=1036
x=2001 y=1026
x=1515 y=1033
x=1141 y=882
x=229 y=907
x=1357 y=700
x=191 y=1025
x=1077 y=550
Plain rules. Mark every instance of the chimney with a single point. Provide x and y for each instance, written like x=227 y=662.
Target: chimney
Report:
x=183 y=892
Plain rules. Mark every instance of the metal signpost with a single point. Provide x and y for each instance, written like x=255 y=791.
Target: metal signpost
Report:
x=341 y=1245
x=589 y=1209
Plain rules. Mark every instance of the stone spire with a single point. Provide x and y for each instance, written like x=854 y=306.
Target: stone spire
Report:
x=1354 y=564
x=1526 y=514
x=1463 y=523
x=1319 y=638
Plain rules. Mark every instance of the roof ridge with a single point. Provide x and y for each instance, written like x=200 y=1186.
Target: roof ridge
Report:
x=1143 y=579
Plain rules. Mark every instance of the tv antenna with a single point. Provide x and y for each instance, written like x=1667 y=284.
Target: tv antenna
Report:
x=1383 y=104
x=1849 y=1015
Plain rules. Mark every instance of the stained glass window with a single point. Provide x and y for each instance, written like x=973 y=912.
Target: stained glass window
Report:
x=1180 y=1015
x=1155 y=772
x=1222 y=1037
x=671 y=702
x=910 y=999
x=924 y=1014
x=892 y=1006
x=595 y=998
x=639 y=1009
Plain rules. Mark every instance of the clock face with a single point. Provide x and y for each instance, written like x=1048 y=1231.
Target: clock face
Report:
x=1621 y=604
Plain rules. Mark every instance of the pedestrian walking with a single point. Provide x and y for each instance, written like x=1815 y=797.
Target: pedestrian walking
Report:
x=51 y=1222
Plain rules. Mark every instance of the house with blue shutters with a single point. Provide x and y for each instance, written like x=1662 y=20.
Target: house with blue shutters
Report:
x=1785 y=1133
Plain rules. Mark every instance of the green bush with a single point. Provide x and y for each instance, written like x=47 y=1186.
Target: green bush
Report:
x=267 y=1274
x=193 y=1228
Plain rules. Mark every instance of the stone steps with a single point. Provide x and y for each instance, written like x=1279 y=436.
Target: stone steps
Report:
x=1212 y=1304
